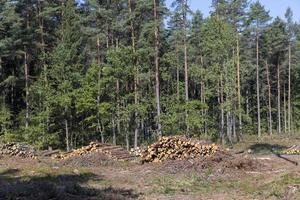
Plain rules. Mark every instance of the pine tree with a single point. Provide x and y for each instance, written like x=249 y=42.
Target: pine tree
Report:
x=181 y=13
x=65 y=66
x=291 y=36
x=258 y=19
x=217 y=37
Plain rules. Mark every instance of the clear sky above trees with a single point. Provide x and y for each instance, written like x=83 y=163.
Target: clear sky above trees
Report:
x=276 y=7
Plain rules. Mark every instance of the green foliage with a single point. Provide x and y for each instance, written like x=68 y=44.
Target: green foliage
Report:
x=90 y=78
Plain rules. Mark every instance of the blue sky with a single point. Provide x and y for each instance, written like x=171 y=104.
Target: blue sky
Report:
x=276 y=7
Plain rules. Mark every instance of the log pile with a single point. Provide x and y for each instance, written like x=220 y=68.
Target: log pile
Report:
x=177 y=148
x=136 y=151
x=17 y=149
x=113 y=151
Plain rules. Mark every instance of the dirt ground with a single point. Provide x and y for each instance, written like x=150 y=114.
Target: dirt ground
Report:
x=251 y=170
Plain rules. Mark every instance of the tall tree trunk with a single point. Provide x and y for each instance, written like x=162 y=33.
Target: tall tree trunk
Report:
x=234 y=127
x=222 y=134
x=269 y=99
x=284 y=110
x=101 y=132
x=177 y=82
x=114 y=131
x=98 y=86
x=156 y=57
x=186 y=79
x=229 y=126
x=203 y=98
x=107 y=37
x=26 y=87
x=67 y=135
x=136 y=130
x=240 y=127
x=45 y=68
x=98 y=49
x=127 y=138
x=289 y=93
x=278 y=98
x=257 y=86
x=118 y=114
x=203 y=102
x=26 y=75
x=2 y=94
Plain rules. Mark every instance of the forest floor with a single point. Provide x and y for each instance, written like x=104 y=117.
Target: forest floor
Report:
x=256 y=172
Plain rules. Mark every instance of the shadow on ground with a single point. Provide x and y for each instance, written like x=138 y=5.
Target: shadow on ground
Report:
x=60 y=187
x=266 y=148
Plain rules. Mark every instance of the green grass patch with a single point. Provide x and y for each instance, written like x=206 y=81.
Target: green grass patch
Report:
x=277 y=188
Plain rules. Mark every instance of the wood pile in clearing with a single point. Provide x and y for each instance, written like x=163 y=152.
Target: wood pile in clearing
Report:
x=17 y=149
x=177 y=148
x=136 y=151
x=293 y=150
x=113 y=151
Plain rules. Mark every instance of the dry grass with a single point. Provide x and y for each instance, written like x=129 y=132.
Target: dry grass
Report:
x=277 y=178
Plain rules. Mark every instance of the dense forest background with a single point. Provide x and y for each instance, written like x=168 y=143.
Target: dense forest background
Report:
x=128 y=71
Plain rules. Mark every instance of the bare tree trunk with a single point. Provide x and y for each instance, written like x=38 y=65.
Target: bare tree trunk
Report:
x=26 y=71
x=240 y=126
x=234 y=127
x=284 y=110
x=269 y=99
x=289 y=93
x=114 y=131
x=229 y=126
x=257 y=86
x=156 y=56
x=222 y=111
x=107 y=37
x=45 y=68
x=203 y=99
x=98 y=103
x=26 y=88
x=98 y=50
x=118 y=111
x=278 y=98
x=136 y=130
x=177 y=82
x=186 y=79
x=127 y=139
x=67 y=135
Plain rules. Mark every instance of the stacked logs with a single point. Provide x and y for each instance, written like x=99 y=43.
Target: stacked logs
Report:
x=17 y=149
x=177 y=148
x=136 y=151
x=92 y=147
x=113 y=151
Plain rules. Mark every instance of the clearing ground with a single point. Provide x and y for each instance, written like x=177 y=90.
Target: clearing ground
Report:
x=252 y=170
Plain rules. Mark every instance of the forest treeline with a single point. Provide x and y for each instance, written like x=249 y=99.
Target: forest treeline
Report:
x=128 y=71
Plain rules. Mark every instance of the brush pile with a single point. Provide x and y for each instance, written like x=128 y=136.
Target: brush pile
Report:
x=293 y=150
x=177 y=148
x=17 y=149
x=113 y=151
